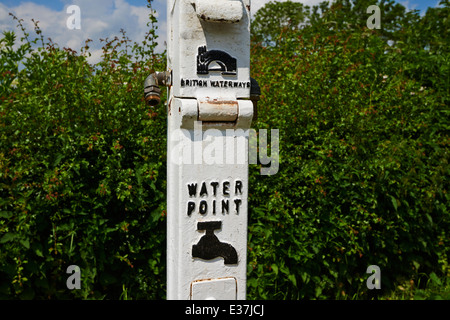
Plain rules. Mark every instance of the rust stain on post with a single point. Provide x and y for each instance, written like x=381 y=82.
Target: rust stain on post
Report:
x=218 y=110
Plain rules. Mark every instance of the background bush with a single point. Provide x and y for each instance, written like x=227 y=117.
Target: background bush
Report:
x=82 y=171
x=363 y=150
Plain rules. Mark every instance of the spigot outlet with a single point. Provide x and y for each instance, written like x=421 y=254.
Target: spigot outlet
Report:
x=152 y=91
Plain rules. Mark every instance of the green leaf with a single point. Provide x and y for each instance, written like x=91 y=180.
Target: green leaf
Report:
x=38 y=252
x=275 y=268
x=318 y=291
x=6 y=214
x=58 y=159
x=25 y=243
x=394 y=202
x=435 y=279
x=292 y=278
x=8 y=237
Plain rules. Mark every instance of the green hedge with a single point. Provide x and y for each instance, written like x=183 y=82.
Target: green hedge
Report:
x=82 y=172
x=362 y=179
x=363 y=173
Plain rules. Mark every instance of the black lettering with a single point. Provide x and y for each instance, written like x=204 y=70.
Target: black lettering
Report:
x=214 y=185
x=203 y=191
x=248 y=84
x=191 y=207
x=203 y=206
x=225 y=204
x=238 y=203
x=230 y=84
x=238 y=186
x=221 y=84
x=235 y=84
x=214 y=206
x=226 y=186
x=182 y=82
x=192 y=189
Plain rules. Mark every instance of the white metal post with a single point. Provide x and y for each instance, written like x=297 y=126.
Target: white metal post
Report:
x=209 y=114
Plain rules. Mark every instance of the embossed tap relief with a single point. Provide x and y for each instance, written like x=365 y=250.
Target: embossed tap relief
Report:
x=214 y=197
x=210 y=247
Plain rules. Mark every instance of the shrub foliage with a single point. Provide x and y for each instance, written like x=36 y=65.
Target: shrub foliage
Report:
x=363 y=120
x=82 y=171
x=363 y=155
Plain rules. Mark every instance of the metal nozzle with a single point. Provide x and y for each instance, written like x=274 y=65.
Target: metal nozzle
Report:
x=152 y=92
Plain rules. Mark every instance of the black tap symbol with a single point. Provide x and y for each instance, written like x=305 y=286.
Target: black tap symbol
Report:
x=210 y=247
